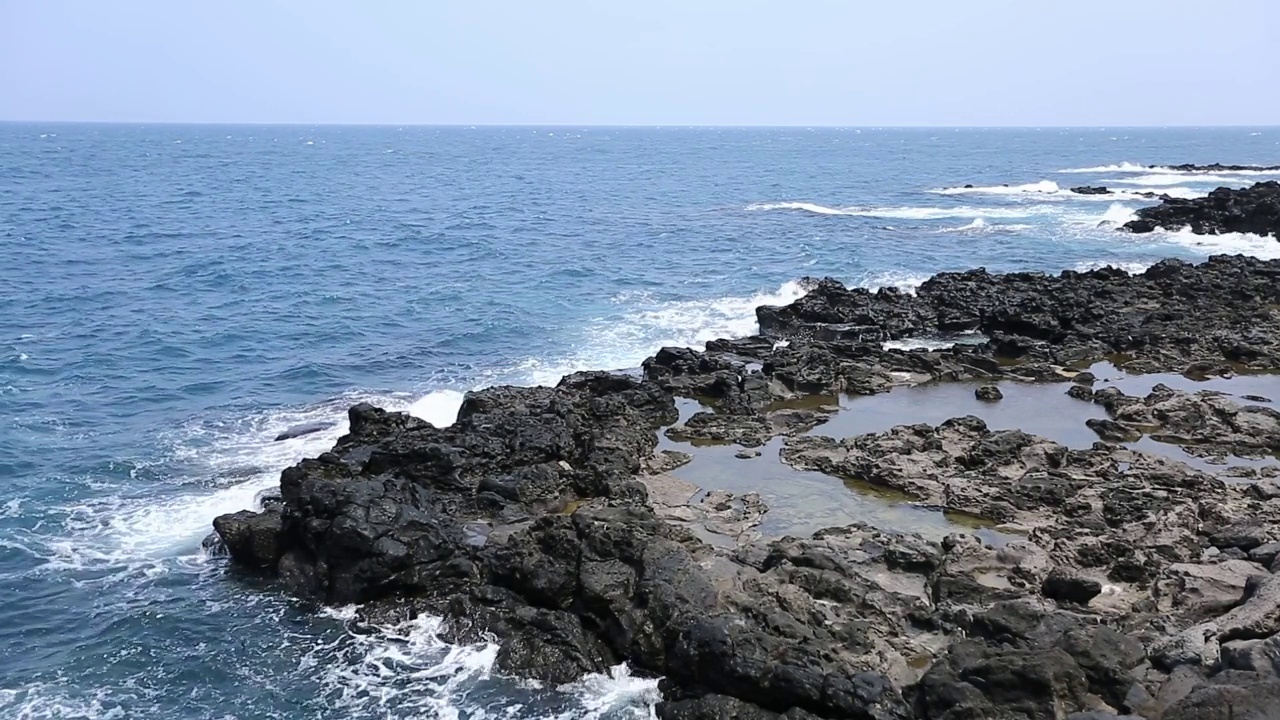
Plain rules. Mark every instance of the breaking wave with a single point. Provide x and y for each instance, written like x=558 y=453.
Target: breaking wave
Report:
x=908 y=213
x=1160 y=179
x=1044 y=187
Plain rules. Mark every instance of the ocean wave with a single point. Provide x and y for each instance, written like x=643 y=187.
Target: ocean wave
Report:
x=1049 y=190
x=908 y=213
x=1159 y=179
x=221 y=466
x=1117 y=214
x=979 y=226
x=1044 y=187
x=407 y=670
x=1260 y=246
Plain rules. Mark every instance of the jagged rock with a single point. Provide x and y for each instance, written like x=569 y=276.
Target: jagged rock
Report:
x=1204 y=418
x=1253 y=209
x=1081 y=392
x=544 y=519
x=1229 y=696
x=1257 y=655
x=989 y=393
x=1088 y=190
x=252 y=539
x=975 y=681
x=1113 y=431
x=1066 y=587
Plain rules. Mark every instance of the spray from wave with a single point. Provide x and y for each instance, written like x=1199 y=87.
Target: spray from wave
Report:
x=1117 y=214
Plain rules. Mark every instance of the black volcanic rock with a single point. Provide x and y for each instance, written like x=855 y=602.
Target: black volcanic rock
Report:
x=1114 y=580
x=1216 y=167
x=1253 y=209
x=1089 y=190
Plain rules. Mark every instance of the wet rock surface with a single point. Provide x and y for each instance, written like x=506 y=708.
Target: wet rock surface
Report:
x=1127 y=584
x=1254 y=209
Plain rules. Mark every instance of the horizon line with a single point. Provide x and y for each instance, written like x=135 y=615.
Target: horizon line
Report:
x=629 y=126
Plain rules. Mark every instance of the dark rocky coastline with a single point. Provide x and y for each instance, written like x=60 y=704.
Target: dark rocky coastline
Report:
x=1216 y=167
x=1253 y=209
x=1128 y=583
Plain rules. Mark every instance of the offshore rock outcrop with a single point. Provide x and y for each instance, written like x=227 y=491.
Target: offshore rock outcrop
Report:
x=1254 y=209
x=1124 y=582
x=1216 y=167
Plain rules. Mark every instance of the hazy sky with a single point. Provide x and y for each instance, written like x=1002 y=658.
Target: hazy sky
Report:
x=644 y=62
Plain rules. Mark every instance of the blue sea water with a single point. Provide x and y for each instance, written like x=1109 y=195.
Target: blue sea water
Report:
x=173 y=297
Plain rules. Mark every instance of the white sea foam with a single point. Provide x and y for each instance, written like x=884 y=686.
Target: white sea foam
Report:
x=904 y=281
x=1124 y=167
x=48 y=701
x=805 y=206
x=918 y=344
x=974 y=225
x=1044 y=187
x=404 y=670
x=408 y=670
x=1159 y=179
x=1259 y=246
x=611 y=695
x=226 y=466
x=1117 y=214
x=1133 y=268
x=909 y=213
x=440 y=408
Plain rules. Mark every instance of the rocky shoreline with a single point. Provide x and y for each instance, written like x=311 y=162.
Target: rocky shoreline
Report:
x=1254 y=209
x=1129 y=584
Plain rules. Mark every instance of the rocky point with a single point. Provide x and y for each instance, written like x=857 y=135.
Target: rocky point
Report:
x=1125 y=584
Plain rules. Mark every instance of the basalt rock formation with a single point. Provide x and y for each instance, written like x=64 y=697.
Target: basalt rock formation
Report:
x=1253 y=209
x=1121 y=582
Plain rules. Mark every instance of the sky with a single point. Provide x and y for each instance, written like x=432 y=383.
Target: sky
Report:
x=649 y=62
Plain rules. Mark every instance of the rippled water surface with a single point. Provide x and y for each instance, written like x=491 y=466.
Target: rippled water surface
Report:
x=173 y=297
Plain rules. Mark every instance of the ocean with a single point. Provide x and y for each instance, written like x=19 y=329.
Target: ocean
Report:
x=174 y=297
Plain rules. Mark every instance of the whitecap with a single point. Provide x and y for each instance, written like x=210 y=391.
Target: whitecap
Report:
x=908 y=213
x=1156 y=180
x=1121 y=168
x=1044 y=187
x=805 y=206
x=977 y=224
